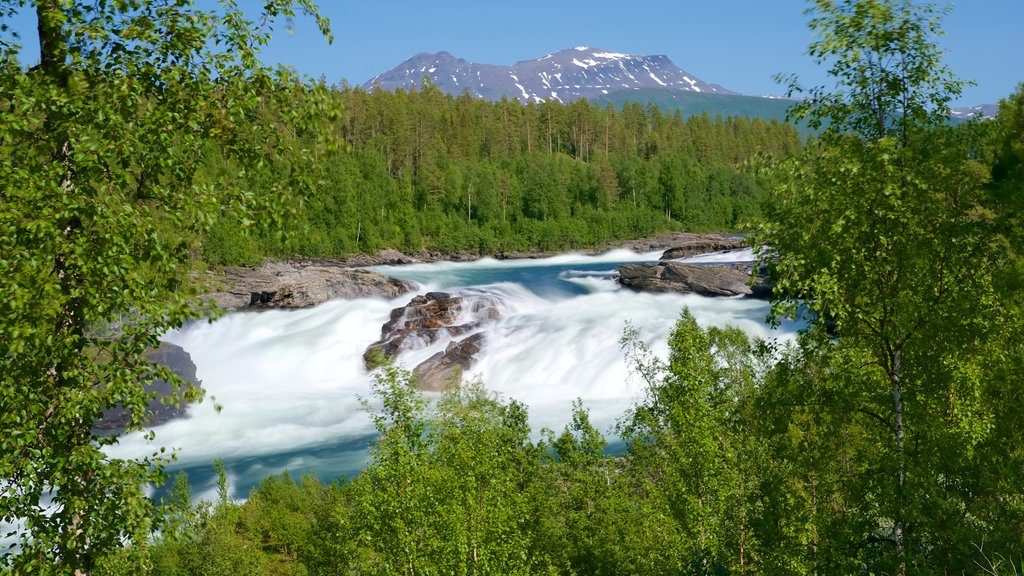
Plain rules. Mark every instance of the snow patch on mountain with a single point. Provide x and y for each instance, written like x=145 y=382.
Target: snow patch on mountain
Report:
x=984 y=112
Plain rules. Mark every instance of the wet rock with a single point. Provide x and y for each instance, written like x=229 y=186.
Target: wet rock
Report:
x=706 y=280
x=426 y=319
x=445 y=368
x=157 y=411
x=701 y=245
x=302 y=285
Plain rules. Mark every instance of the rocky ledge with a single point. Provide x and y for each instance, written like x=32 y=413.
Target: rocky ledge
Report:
x=425 y=320
x=701 y=245
x=445 y=367
x=302 y=284
x=160 y=408
x=669 y=275
x=702 y=279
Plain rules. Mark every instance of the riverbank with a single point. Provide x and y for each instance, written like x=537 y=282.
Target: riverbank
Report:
x=703 y=242
x=303 y=283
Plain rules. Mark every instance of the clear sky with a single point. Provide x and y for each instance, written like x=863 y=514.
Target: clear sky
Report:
x=739 y=44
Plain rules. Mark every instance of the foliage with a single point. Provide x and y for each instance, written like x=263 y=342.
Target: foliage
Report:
x=445 y=491
x=689 y=445
x=881 y=237
x=888 y=72
x=101 y=195
x=425 y=170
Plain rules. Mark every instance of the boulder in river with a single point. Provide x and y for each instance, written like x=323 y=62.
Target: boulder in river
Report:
x=426 y=319
x=158 y=409
x=706 y=280
x=445 y=368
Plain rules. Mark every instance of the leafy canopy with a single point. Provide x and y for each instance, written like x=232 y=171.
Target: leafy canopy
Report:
x=101 y=193
x=889 y=79
x=879 y=233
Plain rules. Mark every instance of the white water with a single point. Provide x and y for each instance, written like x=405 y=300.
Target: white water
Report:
x=743 y=255
x=289 y=382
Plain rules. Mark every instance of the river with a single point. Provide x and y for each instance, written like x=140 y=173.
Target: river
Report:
x=284 y=387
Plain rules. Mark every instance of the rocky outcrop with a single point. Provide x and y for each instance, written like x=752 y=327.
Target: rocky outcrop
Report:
x=701 y=245
x=706 y=280
x=302 y=285
x=388 y=256
x=425 y=320
x=445 y=368
x=160 y=408
x=675 y=240
x=670 y=275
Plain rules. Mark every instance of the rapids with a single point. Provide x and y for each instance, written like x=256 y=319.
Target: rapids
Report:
x=288 y=383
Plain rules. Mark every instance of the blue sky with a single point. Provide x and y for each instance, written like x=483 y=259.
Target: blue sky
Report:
x=739 y=44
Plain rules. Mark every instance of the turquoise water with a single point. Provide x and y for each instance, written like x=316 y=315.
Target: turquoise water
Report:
x=557 y=278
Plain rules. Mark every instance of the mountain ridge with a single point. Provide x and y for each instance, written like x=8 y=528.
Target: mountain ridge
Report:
x=596 y=75
x=563 y=76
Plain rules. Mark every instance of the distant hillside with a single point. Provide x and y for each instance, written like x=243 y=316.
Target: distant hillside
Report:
x=696 y=103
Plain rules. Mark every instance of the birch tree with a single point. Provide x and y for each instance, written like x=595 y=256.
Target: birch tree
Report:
x=101 y=145
x=878 y=236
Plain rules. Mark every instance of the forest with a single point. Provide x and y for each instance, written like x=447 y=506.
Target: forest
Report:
x=149 y=144
x=422 y=170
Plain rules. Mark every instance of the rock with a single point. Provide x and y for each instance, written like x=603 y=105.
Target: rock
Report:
x=387 y=256
x=763 y=286
x=390 y=256
x=701 y=246
x=445 y=368
x=356 y=260
x=426 y=319
x=434 y=256
x=706 y=280
x=303 y=285
x=672 y=240
x=157 y=411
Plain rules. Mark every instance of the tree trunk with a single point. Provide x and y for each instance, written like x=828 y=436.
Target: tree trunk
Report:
x=70 y=324
x=549 y=131
x=897 y=411
x=814 y=523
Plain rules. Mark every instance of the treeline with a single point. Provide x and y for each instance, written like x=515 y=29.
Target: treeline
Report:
x=425 y=170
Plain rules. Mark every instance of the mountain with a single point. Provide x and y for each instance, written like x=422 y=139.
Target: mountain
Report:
x=598 y=75
x=985 y=111
x=564 y=76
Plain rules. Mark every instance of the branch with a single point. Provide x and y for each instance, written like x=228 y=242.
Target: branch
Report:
x=884 y=421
